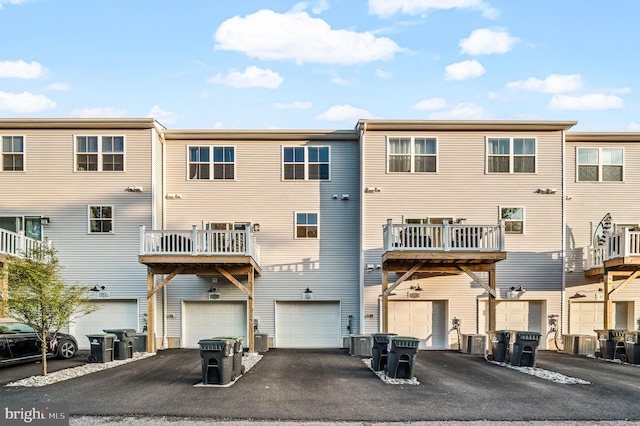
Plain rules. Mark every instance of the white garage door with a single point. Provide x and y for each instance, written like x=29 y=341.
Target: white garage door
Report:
x=113 y=314
x=521 y=315
x=309 y=324
x=205 y=320
x=585 y=317
x=424 y=319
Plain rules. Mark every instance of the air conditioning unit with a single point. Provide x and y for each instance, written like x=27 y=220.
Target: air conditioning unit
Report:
x=214 y=296
x=473 y=344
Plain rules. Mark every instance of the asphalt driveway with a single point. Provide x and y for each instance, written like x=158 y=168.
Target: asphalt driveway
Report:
x=328 y=385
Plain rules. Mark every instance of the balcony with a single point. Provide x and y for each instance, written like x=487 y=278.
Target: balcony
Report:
x=620 y=251
x=199 y=251
x=18 y=245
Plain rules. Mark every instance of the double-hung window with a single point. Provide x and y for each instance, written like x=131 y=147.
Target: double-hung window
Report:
x=306 y=163
x=211 y=162
x=412 y=155
x=99 y=153
x=513 y=218
x=511 y=155
x=100 y=219
x=306 y=225
x=13 y=153
x=600 y=164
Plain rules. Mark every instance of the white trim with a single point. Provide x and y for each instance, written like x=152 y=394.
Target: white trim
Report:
x=23 y=152
x=113 y=219
x=100 y=154
x=524 y=217
x=600 y=164
x=305 y=164
x=412 y=154
x=511 y=155
x=295 y=225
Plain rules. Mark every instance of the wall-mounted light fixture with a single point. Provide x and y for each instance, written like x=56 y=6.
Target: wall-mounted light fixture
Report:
x=416 y=288
x=212 y=289
x=518 y=289
x=173 y=196
x=255 y=227
x=545 y=191
x=96 y=288
x=45 y=221
x=370 y=267
x=134 y=189
x=307 y=294
x=345 y=196
x=583 y=293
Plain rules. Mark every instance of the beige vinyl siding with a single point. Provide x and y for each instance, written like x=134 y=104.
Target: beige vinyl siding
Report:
x=462 y=189
x=328 y=265
x=50 y=187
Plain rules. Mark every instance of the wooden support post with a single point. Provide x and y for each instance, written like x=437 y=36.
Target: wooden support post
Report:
x=151 y=312
x=251 y=331
x=385 y=302
x=492 y=301
x=4 y=288
x=608 y=304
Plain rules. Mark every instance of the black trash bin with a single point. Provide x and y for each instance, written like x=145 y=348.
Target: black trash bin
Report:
x=498 y=345
x=632 y=347
x=523 y=347
x=401 y=356
x=101 y=347
x=123 y=343
x=217 y=361
x=238 y=353
x=140 y=342
x=379 y=342
x=611 y=343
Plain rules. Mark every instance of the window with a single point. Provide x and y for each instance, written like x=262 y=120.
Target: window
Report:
x=12 y=153
x=306 y=163
x=306 y=225
x=411 y=155
x=100 y=219
x=513 y=218
x=96 y=153
x=600 y=164
x=31 y=225
x=511 y=155
x=201 y=164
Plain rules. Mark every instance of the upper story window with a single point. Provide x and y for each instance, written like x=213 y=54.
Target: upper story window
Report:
x=513 y=218
x=13 y=153
x=306 y=225
x=511 y=155
x=306 y=163
x=99 y=153
x=412 y=155
x=100 y=219
x=212 y=162
x=600 y=164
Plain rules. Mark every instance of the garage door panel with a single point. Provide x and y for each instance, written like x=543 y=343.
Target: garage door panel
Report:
x=205 y=320
x=113 y=314
x=424 y=319
x=308 y=324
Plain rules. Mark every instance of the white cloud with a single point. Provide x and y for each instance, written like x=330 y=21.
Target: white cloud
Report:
x=20 y=69
x=320 y=6
x=486 y=41
x=493 y=95
x=218 y=125
x=430 y=104
x=3 y=2
x=620 y=90
x=342 y=113
x=294 y=105
x=25 y=102
x=340 y=81
x=57 y=87
x=268 y=35
x=464 y=70
x=251 y=77
x=587 y=102
x=633 y=127
x=462 y=111
x=99 y=112
x=163 y=116
x=386 y=8
x=555 y=83
x=382 y=74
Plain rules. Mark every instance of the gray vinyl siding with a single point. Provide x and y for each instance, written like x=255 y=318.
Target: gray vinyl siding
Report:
x=50 y=187
x=328 y=265
x=461 y=188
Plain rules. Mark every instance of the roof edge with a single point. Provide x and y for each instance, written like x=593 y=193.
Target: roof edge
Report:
x=466 y=125
x=285 y=135
x=79 y=123
x=603 y=136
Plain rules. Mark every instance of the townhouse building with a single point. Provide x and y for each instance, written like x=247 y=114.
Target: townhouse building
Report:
x=426 y=228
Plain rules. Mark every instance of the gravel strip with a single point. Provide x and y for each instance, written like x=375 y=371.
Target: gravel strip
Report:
x=544 y=374
x=390 y=380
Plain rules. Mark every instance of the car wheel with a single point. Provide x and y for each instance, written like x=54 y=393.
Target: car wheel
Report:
x=67 y=349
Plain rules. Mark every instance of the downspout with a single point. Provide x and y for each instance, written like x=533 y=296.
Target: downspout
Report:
x=363 y=129
x=564 y=237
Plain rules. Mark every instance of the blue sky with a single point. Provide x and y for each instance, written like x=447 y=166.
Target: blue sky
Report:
x=322 y=64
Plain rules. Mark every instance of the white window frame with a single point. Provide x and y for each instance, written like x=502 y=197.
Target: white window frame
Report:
x=13 y=153
x=89 y=219
x=600 y=165
x=212 y=163
x=523 y=220
x=306 y=225
x=99 y=154
x=412 y=154
x=305 y=164
x=511 y=155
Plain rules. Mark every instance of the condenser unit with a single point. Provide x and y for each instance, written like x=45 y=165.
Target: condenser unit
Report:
x=473 y=344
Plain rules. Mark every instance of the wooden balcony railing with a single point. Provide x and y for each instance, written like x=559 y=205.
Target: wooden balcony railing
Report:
x=622 y=244
x=18 y=245
x=445 y=237
x=199 y=243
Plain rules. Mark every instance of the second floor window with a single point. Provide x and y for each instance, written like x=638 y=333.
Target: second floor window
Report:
x=12 y=153
x=100 y=219
x=306 y=163
x=99 y=153
x=511 y=155
x=212 y=162
x=306 y=225
x=412 y=155
x=600 y=164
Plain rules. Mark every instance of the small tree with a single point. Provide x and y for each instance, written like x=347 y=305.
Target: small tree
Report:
x=39 y=297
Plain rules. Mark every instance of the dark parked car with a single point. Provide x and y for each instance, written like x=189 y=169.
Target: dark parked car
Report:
x=18 y=343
